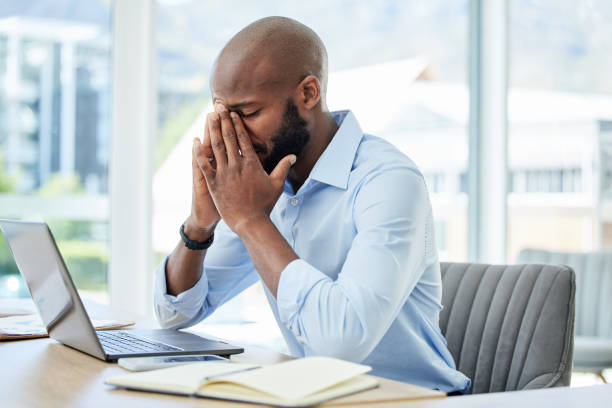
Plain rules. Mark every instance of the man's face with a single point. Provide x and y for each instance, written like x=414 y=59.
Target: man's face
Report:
x=266 y=108
x=291 y=138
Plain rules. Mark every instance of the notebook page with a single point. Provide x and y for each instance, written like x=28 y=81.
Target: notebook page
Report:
x=184 y=379
x=236 y=392
x=298 y=378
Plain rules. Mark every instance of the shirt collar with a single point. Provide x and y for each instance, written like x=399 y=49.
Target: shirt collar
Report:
x=335 y=164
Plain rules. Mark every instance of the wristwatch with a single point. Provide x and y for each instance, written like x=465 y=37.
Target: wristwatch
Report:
x=195 y=245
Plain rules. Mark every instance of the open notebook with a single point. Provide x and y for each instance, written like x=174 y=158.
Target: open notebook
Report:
x=295 y=383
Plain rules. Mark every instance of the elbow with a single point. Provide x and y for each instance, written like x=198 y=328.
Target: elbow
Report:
x=355 y=351
x=169 y=318
x=332 y=323
x=351 y=342
x=346 y=351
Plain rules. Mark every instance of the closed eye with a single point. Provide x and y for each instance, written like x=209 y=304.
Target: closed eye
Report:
x=249 y=115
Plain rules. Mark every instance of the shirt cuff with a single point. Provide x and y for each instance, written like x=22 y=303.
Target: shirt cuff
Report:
x=296 y=281
x=187 y=303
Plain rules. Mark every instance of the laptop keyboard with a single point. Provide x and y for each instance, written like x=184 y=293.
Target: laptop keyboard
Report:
x=121 y=342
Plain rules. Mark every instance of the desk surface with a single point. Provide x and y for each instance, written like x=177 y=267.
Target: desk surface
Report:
x=44 y=373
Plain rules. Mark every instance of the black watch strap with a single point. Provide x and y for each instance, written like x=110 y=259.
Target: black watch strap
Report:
x=195 y=245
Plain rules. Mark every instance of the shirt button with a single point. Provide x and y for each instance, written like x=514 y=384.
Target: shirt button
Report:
x=294 y=201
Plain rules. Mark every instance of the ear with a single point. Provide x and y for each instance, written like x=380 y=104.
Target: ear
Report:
x=309 y=92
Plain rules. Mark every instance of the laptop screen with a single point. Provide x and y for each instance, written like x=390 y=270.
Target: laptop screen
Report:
x=51 y=287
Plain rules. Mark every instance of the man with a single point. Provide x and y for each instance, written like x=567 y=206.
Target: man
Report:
x=337 y=224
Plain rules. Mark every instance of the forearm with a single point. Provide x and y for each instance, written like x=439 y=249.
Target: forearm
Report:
x=184 y=266
x=339 y=317
x=269 y=251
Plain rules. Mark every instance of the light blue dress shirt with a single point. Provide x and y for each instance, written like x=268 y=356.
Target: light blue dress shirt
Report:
x=367 y=286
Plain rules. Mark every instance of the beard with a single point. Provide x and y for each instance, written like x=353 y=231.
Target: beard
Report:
x=291 y=138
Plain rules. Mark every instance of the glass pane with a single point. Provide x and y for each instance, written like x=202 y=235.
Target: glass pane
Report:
x=400 y=66
x=560 y=116
x=55 y=131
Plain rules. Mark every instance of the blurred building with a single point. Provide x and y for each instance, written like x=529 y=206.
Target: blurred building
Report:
x=55 y=101
x=559 y=154
x=55 y=120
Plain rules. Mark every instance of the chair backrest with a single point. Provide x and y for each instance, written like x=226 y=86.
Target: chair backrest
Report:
x=593 y=286
x=509 y=327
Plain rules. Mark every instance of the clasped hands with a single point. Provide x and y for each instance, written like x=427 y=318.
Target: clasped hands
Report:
x=232 y=179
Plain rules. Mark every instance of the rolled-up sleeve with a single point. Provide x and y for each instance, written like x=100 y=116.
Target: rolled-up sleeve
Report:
x=177 y=311
x=348 y=316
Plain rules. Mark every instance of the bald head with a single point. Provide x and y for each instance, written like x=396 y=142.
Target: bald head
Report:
x=272 y=76
x=275 y=51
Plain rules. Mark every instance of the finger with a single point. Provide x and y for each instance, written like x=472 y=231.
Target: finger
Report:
x=197 y=173
x=206 y=139
x=205 y=168
x=216 y=140
x=202 y=161
x=280 y=172
x=206 y=145
x=229 y=134
x=246 y=146
x=209 y=175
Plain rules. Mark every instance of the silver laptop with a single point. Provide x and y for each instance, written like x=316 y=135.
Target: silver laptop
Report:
x=62 y=311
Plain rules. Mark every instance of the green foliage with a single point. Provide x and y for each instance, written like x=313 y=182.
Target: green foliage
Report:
x=87 y=263
x=59 y=184
x=73 y=230
x=7 y=184
x=7 y=264
x=175 y=127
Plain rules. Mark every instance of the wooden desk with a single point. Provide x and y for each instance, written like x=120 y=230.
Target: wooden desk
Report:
x=44 y=373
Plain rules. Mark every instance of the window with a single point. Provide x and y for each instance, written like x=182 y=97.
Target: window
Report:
x=560 y=94
x=546 y=181
x=409 y=59
x=605 y=160
x=54 y=132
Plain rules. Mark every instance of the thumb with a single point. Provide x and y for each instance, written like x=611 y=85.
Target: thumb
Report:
x=280 y=172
